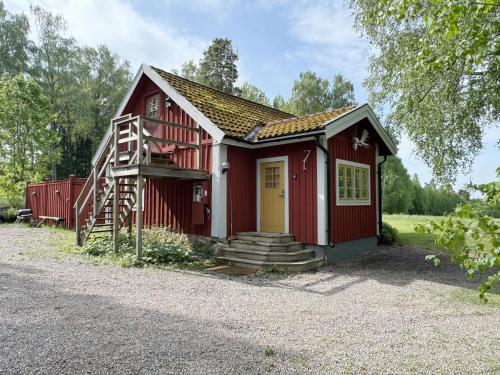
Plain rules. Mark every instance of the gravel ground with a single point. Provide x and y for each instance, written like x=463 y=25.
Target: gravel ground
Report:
x=389 y=312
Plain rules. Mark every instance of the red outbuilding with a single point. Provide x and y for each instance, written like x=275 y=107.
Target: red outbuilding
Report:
x=272 y=188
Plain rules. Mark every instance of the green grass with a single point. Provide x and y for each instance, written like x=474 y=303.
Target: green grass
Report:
x=405 y=224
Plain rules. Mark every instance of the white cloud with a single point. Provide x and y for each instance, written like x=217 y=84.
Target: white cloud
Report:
x=118 y=25
x=328 y=41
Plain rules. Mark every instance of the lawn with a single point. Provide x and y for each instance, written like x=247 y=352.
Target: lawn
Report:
x=405 y=224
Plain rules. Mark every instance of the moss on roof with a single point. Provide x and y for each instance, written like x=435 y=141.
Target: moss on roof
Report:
x=300 y=124
x=237 y=117
x=233 y=115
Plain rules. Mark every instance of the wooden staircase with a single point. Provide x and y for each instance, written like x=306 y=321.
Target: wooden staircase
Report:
x=125 y=158
x=262 y=251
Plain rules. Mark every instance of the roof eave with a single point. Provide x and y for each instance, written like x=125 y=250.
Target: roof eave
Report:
x=355 y=115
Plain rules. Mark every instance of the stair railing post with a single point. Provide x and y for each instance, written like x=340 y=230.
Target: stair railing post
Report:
x=116 y=212
x=77 y=223
x=116 y=133
x=140 y=141
x=95 y=187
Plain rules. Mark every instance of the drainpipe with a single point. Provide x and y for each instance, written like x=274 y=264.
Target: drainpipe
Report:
x=328 y=199
x=379 y=182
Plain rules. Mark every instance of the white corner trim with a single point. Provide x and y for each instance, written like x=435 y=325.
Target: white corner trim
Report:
x=322 y=209
x=353 y=164
x=219 y=192
x=182 y=102
x=266 y=160
x=350 y=118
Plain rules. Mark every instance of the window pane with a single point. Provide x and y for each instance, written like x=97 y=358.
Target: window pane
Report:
x=152 y=107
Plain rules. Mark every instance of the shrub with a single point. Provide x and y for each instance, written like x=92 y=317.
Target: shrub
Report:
x=160 y=246
x=388 y=235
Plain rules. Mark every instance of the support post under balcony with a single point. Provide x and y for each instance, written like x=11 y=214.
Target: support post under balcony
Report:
x=138 y=217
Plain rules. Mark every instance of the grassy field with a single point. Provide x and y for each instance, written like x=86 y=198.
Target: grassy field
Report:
x=405 y=224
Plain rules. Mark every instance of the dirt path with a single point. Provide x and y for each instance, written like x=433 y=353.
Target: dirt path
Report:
x=390 y=312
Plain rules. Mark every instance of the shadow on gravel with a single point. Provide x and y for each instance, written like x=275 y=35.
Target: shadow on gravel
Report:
x=393 y=265
x=48 y=330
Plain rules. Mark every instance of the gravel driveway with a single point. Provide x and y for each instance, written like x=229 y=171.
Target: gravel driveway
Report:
x=390 y=312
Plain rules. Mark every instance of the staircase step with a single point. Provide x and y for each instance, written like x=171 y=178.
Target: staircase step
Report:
x=297 y=266
x=267 y=246
x=100 y=230
x=268 y=256
x=265 y=237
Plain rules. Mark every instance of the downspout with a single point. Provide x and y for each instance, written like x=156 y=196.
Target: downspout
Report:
x=379 y=182
x=328 y=199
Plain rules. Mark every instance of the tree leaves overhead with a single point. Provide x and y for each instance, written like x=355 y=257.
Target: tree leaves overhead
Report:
x=14 y=42
x=253 y=93
x=312 y=94
x=436 y=67
x=217 y=68
x=26 y=141
x=84 y=85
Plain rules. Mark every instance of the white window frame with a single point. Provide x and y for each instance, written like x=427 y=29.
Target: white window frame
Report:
x=157 y=97
x=352 y=202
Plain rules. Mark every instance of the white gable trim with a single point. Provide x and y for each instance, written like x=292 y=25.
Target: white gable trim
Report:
x=182 y=102
x=193 y=112
x=350 y=118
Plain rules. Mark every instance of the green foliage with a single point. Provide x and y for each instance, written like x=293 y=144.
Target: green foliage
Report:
x=311 y=94
x=406 y=235
x=436 y=67
x=14 y=42
x=84 y=87
x=253 y=93
x=403 y=195
x=472 y=239
x=27 y=144
x=269 y=352
x=388 y=235
x=397 y=187
x=160 y=246
x=164 y=246
x=217 y=68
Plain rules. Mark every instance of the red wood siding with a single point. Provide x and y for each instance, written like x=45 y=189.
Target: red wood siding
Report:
x=241 y=191
x=352 y=222
x=301 y=184
x=168 y=202
x=55 y=199
x=183 y=157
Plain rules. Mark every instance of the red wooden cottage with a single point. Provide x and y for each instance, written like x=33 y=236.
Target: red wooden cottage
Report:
x=221 y=167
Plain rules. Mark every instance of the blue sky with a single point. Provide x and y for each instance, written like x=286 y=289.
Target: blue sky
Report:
x=275 y=40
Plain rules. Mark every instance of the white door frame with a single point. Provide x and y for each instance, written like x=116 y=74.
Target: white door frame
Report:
x=266 y=160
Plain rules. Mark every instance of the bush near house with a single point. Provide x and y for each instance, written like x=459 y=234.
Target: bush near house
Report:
x=388 y=235
x=160 y=246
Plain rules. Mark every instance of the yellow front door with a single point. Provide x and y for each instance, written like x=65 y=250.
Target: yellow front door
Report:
x=272 y=196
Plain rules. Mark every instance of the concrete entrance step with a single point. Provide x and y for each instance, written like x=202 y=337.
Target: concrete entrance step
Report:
x=298 y=266
x=264 y=237
x=268 y=256
x=267 y=246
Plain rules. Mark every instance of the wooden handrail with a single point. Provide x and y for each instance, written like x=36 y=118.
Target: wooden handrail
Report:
x=173 y=125
x=168 y=141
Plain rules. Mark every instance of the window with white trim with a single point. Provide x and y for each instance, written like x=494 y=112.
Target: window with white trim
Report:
x=353 y=183
x=153 y=106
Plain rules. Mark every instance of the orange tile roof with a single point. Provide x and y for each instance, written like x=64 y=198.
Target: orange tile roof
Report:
x=235 y=116
x=240 y=118
x=300 y=124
